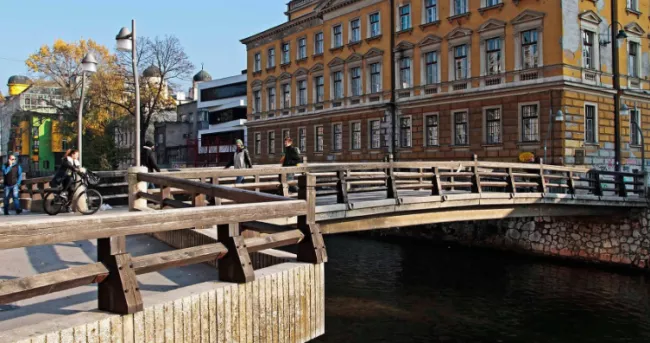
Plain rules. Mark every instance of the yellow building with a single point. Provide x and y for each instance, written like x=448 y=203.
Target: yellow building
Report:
x=447 y=79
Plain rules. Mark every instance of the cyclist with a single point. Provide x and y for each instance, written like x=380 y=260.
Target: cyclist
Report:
x=70 y=166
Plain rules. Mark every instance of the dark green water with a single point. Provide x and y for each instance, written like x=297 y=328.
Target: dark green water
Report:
x=405 y=291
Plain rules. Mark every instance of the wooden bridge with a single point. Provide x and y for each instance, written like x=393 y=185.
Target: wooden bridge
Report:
x=331 y=198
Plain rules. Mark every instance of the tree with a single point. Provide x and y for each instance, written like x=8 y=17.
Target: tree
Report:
x=166 y=57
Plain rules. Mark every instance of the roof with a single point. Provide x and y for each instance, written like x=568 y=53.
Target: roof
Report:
x=202 y=76
x=152 y=71
x=19 y=80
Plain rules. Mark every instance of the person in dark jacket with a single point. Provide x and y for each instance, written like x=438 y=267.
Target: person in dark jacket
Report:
x=149 y=157
x=12 y=173
x=240 y=159
x=69 y=168
x=291 y=158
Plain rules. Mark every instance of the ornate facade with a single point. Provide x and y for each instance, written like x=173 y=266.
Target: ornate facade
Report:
x=353 y=80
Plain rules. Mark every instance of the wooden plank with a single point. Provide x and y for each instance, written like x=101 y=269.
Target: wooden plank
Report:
x=67 y=335
x=105 y=330
x=178 y=321
x=19 y=234
x=204 y=315
x=235 y=328
x=116 y=329
x=255 y=319
x=138 y=327
x=263 y=308
x=229 y=308
x=235 y=194
x=168 y=323
x=341 y=188
x=281 y=289
x=274 y=241
x=40 y=284
x=243 y=318
x=274 y=320
x=81 y=334
x=212 y=316
x=149 y=325
x=178 y=258
x=196 y=318
x=249 y=311
x=265 y=227
x=54 y=337
x=221 y=316
x=128 y=329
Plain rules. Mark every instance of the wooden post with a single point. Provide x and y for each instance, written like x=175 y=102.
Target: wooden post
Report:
x=541 y=186
x=511 y=188
x=312 y=248
x=644 y=192
x=236 y=266
x=257 y=180
x=215 y=181
x=165 y=193
x=135 y=187
x=341 y=188
x=284 y=185
x=571 y=183
x=436 y=189
x=598 y=190
x=119 y=292
x=391 y=187
x=476 y=178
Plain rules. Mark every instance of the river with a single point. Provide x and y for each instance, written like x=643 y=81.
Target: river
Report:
x=408 y=291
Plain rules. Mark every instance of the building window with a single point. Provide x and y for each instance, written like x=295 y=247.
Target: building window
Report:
x=529 y=123
x=493 y=126
x=319 y=81
x=375 y=78
x=271 y=142
x=635 y=135
x=633 y=60
x=302 y=139
x=319 y=139
x=460 y=62
x=375 y=134
x=431 y=67
x=431 y=11
x=337 y=36
x=286 y=133
x=337 y=137
x=375 y=26
x=356 y=136
x=270 y=62
x=270 y=93
x=633 y=5
x=286 y=50
x=588 y=49
x=337 y=79
x=460 y=7
x=302 y=93
x=404 y=17
x=405 y=132
x=490 y=3
x=258 y=62
x=302 y=48
x=355 y=31
x=405 y=72
x=431 y=132
x=355 y=81
x=590 y=123
x=258 y=143
x=529 y=51
x=493 y=56
x=460 y=128
x=257 y=101
x=286 y=95
x=318 y=43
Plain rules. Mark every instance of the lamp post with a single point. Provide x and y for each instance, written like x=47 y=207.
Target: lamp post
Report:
x=126 y=41
x=559 y=117
x=620 y=37
x=88 y=65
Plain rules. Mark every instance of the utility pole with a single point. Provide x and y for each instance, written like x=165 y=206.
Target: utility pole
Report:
x=393 y=109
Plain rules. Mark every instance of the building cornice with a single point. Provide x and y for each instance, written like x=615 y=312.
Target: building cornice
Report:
x=282 y=28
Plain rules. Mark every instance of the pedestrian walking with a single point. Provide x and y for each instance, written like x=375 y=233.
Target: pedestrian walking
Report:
x=241 y=159
x=148 y=159
x=290 y=158
x=13 y=176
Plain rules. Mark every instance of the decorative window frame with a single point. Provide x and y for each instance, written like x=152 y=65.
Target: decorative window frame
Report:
x=316 y=151
x=351 y=135
x=354 y=61
x=268 y=141
x=484 y=125
x=453 y=128
x=371 y=57
x=404 y=50
x=316 y=71
x=459 y=36
x=336 y=65
x=369 y=26
x=423 y=18
x=528 y=20
x=425 y=133
x=596 y=123
x=302 y=151
x=256 y=86
x=430 y=43
x=301 y=75
x=635 y=35
x=298 y=58
x=398 y=23
x=638 y=110
x=286 y=79
x=332 y=40
x=590 y=21
x=492 y=28
x=369 y=130
x=520 y=132
x=333 y=137
x=399 y=132
x=350 y=41
x=452 y=8
x=255 y=135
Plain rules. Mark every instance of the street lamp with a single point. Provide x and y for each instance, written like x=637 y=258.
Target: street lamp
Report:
x=559 y=117
x=620 y=39
x=88 y=65
x=126 y=42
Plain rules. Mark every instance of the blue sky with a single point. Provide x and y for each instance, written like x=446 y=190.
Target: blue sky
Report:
x=209 y=30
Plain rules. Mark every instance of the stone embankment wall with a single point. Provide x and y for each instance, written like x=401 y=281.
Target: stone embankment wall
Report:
x=615 y=240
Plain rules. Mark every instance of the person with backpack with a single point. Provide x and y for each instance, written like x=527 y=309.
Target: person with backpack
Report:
x=241 y=159
x=291 y=158
x=12 y=173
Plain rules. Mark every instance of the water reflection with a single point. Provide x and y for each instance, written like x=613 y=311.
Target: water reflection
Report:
x=379 y=291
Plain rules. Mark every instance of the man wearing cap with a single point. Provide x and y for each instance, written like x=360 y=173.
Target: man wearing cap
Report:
x=240 y=159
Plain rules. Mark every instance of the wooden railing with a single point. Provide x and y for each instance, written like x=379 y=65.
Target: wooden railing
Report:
x=115 y=271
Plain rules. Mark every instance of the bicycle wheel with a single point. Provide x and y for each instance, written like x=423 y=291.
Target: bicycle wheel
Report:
x=52 y=203
x=93 y=199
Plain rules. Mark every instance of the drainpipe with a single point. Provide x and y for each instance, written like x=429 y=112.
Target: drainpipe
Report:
x=393 y=136
x=617 y=89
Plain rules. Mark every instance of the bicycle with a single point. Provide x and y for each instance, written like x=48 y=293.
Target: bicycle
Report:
x=53 y=202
